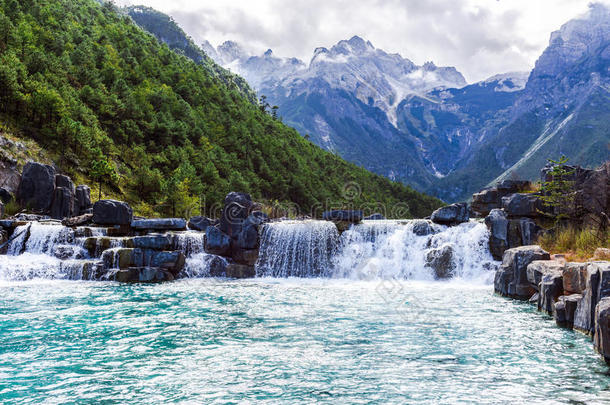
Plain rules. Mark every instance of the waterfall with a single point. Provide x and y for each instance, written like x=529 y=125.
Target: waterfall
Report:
x=297 y=249
x=414 y=250
x=190 y=243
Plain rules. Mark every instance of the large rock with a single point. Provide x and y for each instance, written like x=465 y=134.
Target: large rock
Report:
x=489 y=199
x=511 y=279
x=63 y=203
x=351 y=216
x=81 y=220
x=575 y=278
x=441 y=260
x=111 y=212
x=522 y=205
x=598 y=283
x=142 y=275
x=159 y=224
x=217 y=242
x=452 y=214
x=5 y=195
x=602 y=328
x=173 y=261
x=375 y=217
x=551 y=288
x=237 y=207
x=422 y=227
x=497 y=223
x=36 y=187
x=565 y=308
x=537 y=269
x=82 y=200
x=245 y=256
x=122 y=258
x=153 y=242
x=201 y=223
x=240 y=271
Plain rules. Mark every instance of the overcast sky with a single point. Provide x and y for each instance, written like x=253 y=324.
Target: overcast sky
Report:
x=479 y=37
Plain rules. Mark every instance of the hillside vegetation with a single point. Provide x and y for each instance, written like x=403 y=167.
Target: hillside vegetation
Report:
x=88 y=85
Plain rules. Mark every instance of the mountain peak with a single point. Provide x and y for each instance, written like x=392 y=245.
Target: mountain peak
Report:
x=231 y=51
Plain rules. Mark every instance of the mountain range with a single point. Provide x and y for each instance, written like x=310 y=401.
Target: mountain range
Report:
x=426 y=126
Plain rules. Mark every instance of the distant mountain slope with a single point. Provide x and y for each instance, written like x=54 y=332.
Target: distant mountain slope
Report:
x=167 y=31
x=87 y=84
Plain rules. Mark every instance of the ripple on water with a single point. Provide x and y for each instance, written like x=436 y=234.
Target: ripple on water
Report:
x=288 y=341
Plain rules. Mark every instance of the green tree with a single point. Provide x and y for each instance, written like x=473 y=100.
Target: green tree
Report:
x=100 y=170
x=557 y=193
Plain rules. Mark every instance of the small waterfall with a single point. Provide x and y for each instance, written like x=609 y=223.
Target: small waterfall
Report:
x=406 y=249
x=297 y=249
x=190 y=243
x=201 y=265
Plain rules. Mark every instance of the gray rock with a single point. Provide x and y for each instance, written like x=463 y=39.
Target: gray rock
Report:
x=352 y=216
x=159 y=224
x=171 y=261
x=245 y=256
x=36 y=187
x=511 y=279
x=111 y=212
x=575 y=277
x=485 y=201
x=82 y=200
x=598 y=280
x=153 y=242
x=217 y=242
x=441 y=260
x=78 y=221
x=5 y=196
x=375 y=217
x=522 y=205
x=537 y=269
x=201 y=223
x=421 y=227
x=63 y=203
x=602 y=328
x=452 y=214
x=565 y=308
x=240 y=271
x=218 y=267
x=550 y=289
x=142 y=275
x=497 y=223
x=237 y=207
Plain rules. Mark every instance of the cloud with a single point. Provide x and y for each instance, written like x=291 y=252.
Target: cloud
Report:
x=479 y=37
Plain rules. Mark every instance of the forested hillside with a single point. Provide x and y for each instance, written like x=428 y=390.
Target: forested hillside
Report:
x=90 y=87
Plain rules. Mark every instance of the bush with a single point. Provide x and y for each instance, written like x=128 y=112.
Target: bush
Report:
x=576 y=244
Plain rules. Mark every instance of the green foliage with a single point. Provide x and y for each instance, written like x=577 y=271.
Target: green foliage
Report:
x=95 y=90
x=578 y=244
x=103 y=170
x=557 y=194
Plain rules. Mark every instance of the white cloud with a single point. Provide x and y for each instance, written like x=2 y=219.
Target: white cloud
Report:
x=479 y=37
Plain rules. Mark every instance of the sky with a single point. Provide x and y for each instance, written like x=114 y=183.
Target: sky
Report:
x=479 y=37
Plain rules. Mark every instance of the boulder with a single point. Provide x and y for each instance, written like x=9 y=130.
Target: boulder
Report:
x=529 y=231
x=173 y=261
x=511 y=279
x=485 y=201
x=601 y=337
x=152 y=242
x=550 y=289
x=441 y=261
x=78 y=221
x=452 y=214
x=142 y=275
x=537 y=269
x=497 y=223
x=245 y=256
x=421 y=227
x=217 y=266
x=82 y=200
x=35 y=190
x=575 y=278
x=351 y=216
x=513 y=186
x=240 y=271
x=522 y=205
x=237 y=207
x=217 y=242
x=63 y=203
x=601 y=254
x=565 y=308
x=64 y=181
x=201 y=223
x=159 y=224
x=597 y=283
x=5 y=196
x=122 y=258
x=375 y=217
x=111 y=212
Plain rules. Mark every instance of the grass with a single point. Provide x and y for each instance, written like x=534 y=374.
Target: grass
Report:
x=576 y=244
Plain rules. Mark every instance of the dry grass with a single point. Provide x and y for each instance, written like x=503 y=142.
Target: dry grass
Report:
x=576 y=244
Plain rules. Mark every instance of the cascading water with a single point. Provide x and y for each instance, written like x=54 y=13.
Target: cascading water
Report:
x=414 y=250
x=297 y=249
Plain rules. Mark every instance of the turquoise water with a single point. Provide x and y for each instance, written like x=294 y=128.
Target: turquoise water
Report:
x=286 y=341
